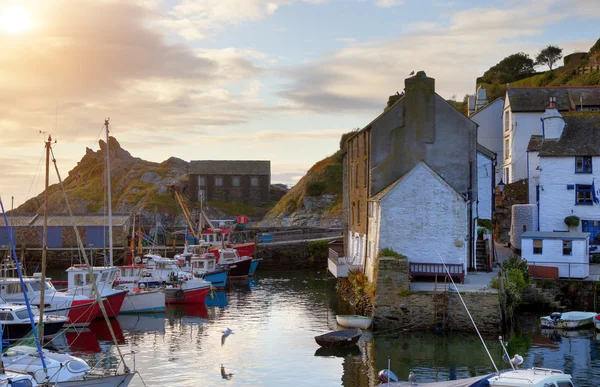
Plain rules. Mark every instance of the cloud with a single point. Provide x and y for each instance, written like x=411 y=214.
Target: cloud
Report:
x=388 y=3
x=361 y=76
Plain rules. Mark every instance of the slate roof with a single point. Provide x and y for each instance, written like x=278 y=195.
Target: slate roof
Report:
x=580 y=137
x=63 y=220
x=485 y=151
x=230 y=167
x=537 y=99
x=535 y=143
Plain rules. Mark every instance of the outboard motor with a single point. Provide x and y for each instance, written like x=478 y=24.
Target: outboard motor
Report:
x=387 y=376
x=555 y=317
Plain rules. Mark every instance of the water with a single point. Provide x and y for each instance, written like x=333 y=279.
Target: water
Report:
x=274 y=319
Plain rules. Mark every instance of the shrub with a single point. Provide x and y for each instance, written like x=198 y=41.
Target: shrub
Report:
x=317 y=249
x=572 y=221
x=515 y=262
x=315 y=188
x=494 y=283
x=386 y=252
x=485 y=223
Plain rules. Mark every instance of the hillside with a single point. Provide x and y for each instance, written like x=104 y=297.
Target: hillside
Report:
x=137 y=186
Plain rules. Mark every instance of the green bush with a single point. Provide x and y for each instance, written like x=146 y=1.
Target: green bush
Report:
x=572 y=221
x=317 y=249
x=485 y=223
x=389 y=253
x=494 y=283
x=315 y=188
x=515 y=262
x=595 y=258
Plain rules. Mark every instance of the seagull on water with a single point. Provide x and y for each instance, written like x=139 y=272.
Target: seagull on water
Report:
x=226 y=333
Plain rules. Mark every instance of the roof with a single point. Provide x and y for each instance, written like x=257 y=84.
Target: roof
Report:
x=580 y=137
x=536 y=99
x=64 y=220
x=555 y=235
x=485 y=151
x=535 y=143
x=230 y=167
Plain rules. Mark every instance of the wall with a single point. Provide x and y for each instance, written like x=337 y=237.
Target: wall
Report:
x=373 y=239
x=533 y=173
x=293 y=256
x=355 y=249
x=244 y=193
x=484 y=187
x=396 y=308
x=357 y=149
x=556 y=201
x=523 y=218
x=489 y=133
x=575 y=265
x=524 y=126
x=422 y=214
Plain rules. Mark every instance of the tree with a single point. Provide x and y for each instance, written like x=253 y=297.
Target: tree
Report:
x=549 y=55
x=509 y=69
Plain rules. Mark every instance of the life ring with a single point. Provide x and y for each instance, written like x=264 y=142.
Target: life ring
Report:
x=179 y=294
x=137 y=259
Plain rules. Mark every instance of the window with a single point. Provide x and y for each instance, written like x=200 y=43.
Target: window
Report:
x=537 y=246
x=583 y=164
x=13 y=288
x=201 y=195
x=506 y=148
x=6 y=316
x=254 y=181
x=366 y=174
x=593 y=227
x=235 y=181
x=567 y=247
x=350 y=177
x=370 y=209
x=524 y=227
x=104 y=276
x=78 y=279
x=352 y=214
x=358 y=212
x=356 y=177
x=365 y=143
x=564 y=383
x=583 y=194
x=506 y=121
x=356 y=150
x=350 y=148
x=22 y=314
x=218 y=181
x=201 y=181
x=506 y=175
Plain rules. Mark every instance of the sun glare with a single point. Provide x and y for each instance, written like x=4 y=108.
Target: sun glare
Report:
x=15 y=20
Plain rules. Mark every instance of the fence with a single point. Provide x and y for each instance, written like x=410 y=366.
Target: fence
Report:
x=575 y=270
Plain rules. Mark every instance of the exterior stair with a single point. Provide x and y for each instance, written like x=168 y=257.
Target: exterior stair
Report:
x=482 y=255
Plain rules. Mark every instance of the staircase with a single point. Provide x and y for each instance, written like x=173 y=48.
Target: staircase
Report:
x=547 y=297
x=482 y=255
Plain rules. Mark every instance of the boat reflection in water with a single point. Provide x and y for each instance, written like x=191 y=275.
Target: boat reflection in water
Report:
x=218 y=299
x=352 y=350
x=77 y=342
x=100 y=330
x=146 y=323
x=187 y=310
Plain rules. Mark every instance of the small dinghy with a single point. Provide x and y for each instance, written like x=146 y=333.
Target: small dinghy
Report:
x=568 y=320
x=339 y=339
x=353 y=321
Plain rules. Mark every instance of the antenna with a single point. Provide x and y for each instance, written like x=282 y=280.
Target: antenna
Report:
x=468 y=313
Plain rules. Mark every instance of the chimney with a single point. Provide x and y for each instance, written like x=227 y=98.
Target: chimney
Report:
x=481 y=98
x=471 y=104
x=419 y=106
x=552 y=122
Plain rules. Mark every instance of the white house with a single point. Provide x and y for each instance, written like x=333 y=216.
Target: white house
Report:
x=420 y=216
x=489 y=131
x=523 y=109
x=568 y=156
x=486 y=161
x=567 y=251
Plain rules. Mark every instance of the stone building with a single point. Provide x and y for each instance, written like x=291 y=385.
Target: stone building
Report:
x=27 y=230
x=420 y=129
x=242 y=181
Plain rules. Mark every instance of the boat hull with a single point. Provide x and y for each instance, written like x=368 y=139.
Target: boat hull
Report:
x=186 y=296
x=569 y=320
x=597 y=323
x=121 y=380
x=339 y=339
x=113 y=303
x=353 y=321
x=253 y=267
x=82 y=313
x=239 y=269
x=217 y=279
x=243 y=249
x=150 y=301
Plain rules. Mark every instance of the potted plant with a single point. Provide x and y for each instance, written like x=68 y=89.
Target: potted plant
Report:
x=572 y=221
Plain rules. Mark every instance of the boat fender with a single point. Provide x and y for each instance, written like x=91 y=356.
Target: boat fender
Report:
x=179 y=294
x=138 y=259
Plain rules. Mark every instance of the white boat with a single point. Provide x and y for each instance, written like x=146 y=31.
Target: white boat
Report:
x=568 y=320
x=353 y=321
x=534 y=377
x=144 y=300
x=11 y=379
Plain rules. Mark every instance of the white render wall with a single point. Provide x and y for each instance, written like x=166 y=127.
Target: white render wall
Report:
x=524 y=125
x=484 y=187
x=533 y=162
x=524 y=217
x=422 y=213
x=372 y=240
x=356 y=248
x=575 y=265
x=489 y=132
x=556 y=201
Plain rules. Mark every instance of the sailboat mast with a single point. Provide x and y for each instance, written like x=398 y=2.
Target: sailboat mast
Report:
x=44 y=243
x=110 y=231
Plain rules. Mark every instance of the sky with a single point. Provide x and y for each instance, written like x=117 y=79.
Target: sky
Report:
x=276 y=80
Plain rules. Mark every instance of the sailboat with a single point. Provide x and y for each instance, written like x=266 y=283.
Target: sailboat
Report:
x=53 y=367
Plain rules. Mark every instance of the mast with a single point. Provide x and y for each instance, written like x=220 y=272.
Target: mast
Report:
x=110 y=231
x=132 y=242
x=44 y=243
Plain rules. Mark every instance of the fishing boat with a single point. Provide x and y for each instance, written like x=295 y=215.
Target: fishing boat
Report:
x=193 y=291
x=568 y=320
x=353 y=321
x=197 y=260
x=339 y=339
x=239 y=267
x=253 y=266
x=139 y=298
x=16 y=325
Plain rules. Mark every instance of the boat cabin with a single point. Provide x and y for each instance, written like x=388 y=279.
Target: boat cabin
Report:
x=534 y=377
x=12 y=287
x=228 y=256
x=204 y=264
x=103 y=276
x=15 y=313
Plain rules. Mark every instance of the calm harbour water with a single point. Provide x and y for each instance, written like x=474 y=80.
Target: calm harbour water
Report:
x=275 y=317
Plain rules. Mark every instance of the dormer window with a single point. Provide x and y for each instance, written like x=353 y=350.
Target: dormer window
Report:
x=583 y=164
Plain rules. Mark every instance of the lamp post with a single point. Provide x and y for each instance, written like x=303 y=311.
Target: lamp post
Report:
x=501 y=187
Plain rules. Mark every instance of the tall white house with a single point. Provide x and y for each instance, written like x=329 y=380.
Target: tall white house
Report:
x=564 y=171
x=489 y=121
x=521 y=115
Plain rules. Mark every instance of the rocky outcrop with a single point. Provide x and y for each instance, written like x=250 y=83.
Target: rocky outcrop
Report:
x=313 y=212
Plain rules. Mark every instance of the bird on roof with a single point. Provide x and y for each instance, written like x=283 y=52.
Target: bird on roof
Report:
x=412 y=72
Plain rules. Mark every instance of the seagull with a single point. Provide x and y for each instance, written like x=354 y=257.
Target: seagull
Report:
x=412 y=377
x=412 y=72
x=224 y=374
x=226 y=333
x=516 y=361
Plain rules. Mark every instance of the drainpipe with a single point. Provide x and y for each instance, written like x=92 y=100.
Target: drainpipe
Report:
x=470 y=211
x=493 y=250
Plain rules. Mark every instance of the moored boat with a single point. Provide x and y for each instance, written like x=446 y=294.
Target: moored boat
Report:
x=238 y=266
x=353 y=321
x=254 y=266
x=339 y=339
x=16 y=324
x=568 y=320
x=144 y=300
x=192 y=291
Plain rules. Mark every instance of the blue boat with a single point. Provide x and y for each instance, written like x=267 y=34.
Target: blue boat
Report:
x=217 y=277
x=253 y=266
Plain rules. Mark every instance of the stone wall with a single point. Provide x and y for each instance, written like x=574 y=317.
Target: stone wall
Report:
x=397 y=308
x=302 y=255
